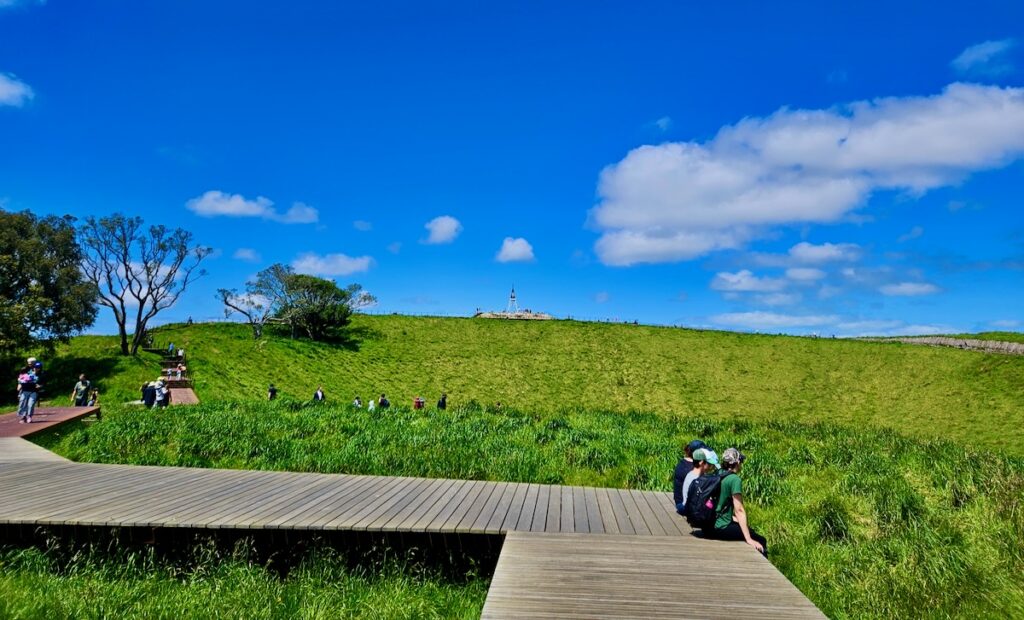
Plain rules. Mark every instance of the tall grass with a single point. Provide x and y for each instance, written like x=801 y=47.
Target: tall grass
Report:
x=112 y=583
x=865 y=522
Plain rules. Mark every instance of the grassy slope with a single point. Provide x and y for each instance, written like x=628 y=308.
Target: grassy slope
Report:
x=544 y=366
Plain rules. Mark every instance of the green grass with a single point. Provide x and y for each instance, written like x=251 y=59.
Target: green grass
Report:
x=865 y=522
x=92 y=583
x=926 y=392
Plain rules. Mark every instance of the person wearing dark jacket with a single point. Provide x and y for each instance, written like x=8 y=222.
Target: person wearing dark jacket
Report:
x=684 y=467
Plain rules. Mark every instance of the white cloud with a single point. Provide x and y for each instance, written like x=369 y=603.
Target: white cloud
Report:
x=247 y=254
x=804 y=252
x=395 y=247
x=602 y=297
x=745 y=281
x=215 y=203
x=514 y=250
x=443 y=229
x=680 y=200
x=771 y=320
x=664 y=123
x=909 y=289
x=330 y=264
x=1006 y=324
x=913 y=233
x=14 y=92
x=6 y=4
x=889 y=328
x=804 y=274
x=362 y=225
x=986 y=58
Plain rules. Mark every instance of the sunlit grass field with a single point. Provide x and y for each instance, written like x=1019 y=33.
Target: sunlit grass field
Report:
x=865 y=522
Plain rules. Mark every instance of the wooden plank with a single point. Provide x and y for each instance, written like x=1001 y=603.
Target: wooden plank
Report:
x=494 y=514
x=399 y=499
x=515 y=508
x=594 y=523
x=459 y=511
x=579 y=511
x=379 y=494
x=554 y=521
x=662 y=506
x=301 y=512
x=15 y=449
x=540 y=509
x=196 y=493
x=434 y=519
x=433 y=493
x=466 y=523
x=607 y=514
x=325 y=513
x=651 y=519
x=625 y=523
x=298 y=490
x=525 y=522
x=566 y=523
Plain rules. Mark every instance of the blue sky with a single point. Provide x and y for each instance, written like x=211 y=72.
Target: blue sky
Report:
x=799 y=168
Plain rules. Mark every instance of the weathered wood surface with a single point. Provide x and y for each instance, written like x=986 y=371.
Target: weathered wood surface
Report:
x=183 y=396
x=17 y=450
x=43 y=418
x=974 y=344
x=585 y=576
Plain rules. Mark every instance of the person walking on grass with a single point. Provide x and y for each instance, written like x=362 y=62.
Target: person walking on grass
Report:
x=271 y=392
x=442 y=404
x=383 y=403
x=357 y=403
x=80 y=395
x=731 y=514
x=318 y=395
x=28 y=392
x=684 y=467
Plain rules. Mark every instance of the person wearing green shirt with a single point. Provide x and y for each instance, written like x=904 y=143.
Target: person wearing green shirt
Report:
x=731 y=522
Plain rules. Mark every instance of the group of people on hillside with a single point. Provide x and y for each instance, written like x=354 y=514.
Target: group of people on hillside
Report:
x=30 y=385
x=320 y=396
x=708 y=491
x=156 y=394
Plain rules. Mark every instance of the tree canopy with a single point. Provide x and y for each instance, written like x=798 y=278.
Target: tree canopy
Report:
x=43 y=295
x=137 y=272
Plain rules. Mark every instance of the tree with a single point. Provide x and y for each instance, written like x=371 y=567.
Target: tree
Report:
x=138 y=272
x=43 y=295
x=314 y=306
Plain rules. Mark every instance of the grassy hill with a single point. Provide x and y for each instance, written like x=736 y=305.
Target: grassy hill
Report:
x=545 y=366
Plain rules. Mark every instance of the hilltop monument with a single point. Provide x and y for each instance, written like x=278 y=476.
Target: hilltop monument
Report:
x=512 y=311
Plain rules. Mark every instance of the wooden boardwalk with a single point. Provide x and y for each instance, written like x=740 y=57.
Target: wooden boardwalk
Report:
x=569 y=552
x=44 y=418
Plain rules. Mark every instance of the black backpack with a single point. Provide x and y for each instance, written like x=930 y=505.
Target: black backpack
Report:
x=702 y=500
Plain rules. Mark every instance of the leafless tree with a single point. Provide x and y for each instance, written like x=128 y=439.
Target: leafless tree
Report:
x=256 y=308
x=137 y=271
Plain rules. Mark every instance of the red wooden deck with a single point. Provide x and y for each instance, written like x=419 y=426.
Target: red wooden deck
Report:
x=44 y=418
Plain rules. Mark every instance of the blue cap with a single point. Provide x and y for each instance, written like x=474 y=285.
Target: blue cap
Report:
x=694 y=445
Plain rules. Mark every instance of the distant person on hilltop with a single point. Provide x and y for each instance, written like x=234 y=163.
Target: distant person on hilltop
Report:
x=80 y=394
x=731 y=515
x=442 y=404
x=383 y=403
x=318 y=395
x=370 y=406
x=684 y=467
x=271 y=392
x=357 y=403
x=418 y=402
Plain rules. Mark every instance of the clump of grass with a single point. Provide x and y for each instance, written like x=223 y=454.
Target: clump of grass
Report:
x=865 y=522
x=112 y=583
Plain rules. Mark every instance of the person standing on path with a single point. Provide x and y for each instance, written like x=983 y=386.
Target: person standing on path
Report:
x=80 y=395
x=731 y=522
x=28 y=393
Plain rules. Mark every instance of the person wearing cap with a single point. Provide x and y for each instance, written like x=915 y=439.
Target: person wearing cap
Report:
x=683 y=467
x=731 y=523
x=705 y=463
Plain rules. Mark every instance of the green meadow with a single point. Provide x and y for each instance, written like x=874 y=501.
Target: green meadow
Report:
x=888 y=478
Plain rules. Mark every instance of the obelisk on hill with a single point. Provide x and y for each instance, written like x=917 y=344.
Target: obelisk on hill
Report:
x=513 y=306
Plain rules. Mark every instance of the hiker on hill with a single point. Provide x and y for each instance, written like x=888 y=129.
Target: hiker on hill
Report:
x=731 y=515
x=163 y=395
x=442 y=404
x=357 y=403
x=271 y=392
x=318 y=395
x=370 y=406
x=418 y=402
x=705 y=463
x=80 y=395
x=684 y=467
x=28 y=392
x=179 y=370
x=383 y=403
x=170 y=349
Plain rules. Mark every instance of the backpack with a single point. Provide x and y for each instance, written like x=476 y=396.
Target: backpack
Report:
x=702 y=500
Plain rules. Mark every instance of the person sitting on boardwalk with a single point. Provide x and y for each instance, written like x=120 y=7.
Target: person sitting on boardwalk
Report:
x=271 y=392
x=684 y=467
x=357 y=403
x=80 y=395
x=731 y=521
x=383 y=403
x=705 y=463
x=318 y=395
x=28 y=393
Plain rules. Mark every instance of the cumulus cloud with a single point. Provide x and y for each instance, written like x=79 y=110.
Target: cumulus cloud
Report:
x=515 y=250
x=804 y=274
x=362 y=225
x=664 y=123
x=443 y=229
x=679 y=200
x=745 y=281
x=330 y=265
x=14 y=92
x=772 y=320
x=986 y=58
x=909 y=289
x=778 y=299
x=804 y=252
x=215 y=203
x=247 y=254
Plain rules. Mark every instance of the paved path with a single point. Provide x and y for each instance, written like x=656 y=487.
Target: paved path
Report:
x=44 y=418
